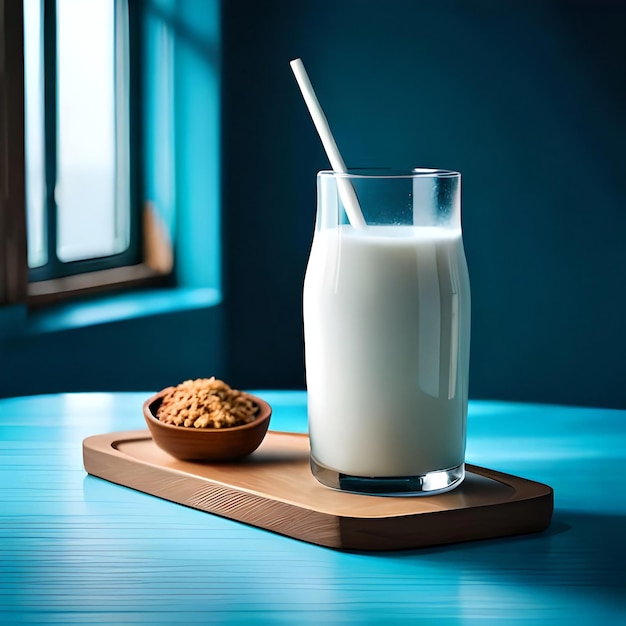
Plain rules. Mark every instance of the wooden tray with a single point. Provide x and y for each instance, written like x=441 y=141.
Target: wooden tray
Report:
x=274 y=489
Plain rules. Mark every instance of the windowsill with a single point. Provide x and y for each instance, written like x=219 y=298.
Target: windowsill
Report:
x=59 y=289
x=120 y=307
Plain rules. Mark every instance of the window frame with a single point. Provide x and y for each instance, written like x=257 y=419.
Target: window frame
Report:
x=149 y=265
x=13 y=260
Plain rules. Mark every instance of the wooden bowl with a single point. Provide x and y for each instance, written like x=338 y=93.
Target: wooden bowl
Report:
x=207 y=444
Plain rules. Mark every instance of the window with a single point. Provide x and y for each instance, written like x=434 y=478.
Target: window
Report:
x=77 y=134
x=80 y=206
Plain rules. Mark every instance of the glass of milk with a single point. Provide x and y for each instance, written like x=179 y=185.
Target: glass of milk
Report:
x=387 y=333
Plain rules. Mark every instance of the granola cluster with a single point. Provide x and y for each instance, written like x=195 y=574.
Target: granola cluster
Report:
x=206 y=403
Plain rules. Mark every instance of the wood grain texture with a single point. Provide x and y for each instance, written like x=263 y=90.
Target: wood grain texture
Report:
x=13 y=254
x=75 y=549
x=275 y=490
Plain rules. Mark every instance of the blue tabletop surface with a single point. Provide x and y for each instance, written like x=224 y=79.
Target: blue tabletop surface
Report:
x=75 y=549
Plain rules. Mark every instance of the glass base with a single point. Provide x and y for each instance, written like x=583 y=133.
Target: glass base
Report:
x=424 y=485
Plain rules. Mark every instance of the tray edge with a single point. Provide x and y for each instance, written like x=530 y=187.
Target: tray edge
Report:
x=532 y=510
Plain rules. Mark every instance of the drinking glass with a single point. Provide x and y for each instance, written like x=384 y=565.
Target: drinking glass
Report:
x=387 y=332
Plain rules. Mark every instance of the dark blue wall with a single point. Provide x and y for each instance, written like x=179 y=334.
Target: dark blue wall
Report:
x=526 y=99
x=145 y=352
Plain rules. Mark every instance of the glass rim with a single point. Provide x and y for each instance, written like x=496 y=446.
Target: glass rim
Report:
x=383 y=172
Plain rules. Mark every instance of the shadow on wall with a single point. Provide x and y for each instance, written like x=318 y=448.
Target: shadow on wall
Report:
x=525 y=99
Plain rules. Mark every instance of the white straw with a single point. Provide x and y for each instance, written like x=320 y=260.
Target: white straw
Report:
x=346 y=190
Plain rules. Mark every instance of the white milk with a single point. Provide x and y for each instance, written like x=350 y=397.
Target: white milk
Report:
x=387 y=330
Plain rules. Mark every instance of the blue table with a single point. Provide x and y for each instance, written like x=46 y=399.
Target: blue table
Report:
x=75 y=549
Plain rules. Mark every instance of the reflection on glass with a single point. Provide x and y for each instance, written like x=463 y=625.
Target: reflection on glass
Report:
x=92 y=200
x=34 y=134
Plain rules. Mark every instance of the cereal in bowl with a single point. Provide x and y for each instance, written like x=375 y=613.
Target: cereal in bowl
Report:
x=206 y=403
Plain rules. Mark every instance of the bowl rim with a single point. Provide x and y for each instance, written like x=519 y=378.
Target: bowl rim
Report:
x=265 y=412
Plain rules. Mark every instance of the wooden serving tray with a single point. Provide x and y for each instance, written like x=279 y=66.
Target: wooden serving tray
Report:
x=274 y=489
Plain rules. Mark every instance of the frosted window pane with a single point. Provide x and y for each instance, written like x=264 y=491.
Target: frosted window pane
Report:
x=34 y=134
x=89 y=222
